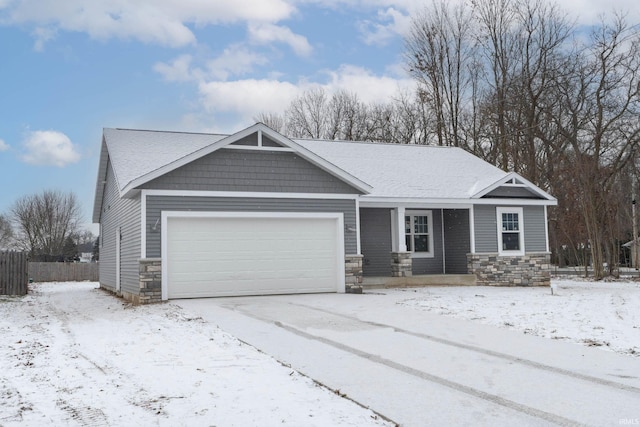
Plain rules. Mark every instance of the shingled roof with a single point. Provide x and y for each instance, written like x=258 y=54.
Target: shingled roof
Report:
x=381 y=171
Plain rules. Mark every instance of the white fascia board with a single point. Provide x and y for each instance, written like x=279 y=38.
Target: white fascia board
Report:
x=251 y=194
x=143 y=224
x=509 y=176
x=390 y=202
x=411 y=203
x=258 y=148
x=101 y=181
x=516 y=202
x=250 y=214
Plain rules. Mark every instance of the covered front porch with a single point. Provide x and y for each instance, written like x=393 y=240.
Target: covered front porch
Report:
x=415 y=245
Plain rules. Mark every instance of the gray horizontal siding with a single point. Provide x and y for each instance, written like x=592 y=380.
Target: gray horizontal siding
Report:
x=457 y=240
x=375 y=242
x=157 y=204
x=535 y=239
x=486 y=229
x=246 y=170
x=432 y=265
x=123 y=213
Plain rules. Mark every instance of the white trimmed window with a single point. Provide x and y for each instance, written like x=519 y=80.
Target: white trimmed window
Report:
x=510 y=231
x=418 y=232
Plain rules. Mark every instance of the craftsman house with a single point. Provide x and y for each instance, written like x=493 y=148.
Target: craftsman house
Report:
x=185 y=215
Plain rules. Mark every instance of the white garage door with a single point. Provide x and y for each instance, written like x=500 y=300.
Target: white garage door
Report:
x=254 y=254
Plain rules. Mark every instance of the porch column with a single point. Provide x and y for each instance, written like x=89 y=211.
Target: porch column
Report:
x=398 y=243
x=401 y=262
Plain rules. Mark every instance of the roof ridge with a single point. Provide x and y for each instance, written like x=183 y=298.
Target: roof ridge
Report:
x=303 y=140
x=170 y=131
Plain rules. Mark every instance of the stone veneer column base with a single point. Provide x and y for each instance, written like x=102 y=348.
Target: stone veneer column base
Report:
x=150 y=282
x=353 y=274
x=401 y=264
x=532 y=269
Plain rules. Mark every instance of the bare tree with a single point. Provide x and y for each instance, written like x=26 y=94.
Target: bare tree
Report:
x=44 y=221
x=6 y=232
x=600 y=122
x=439 y=54
x=274 y=120
x=307 y=115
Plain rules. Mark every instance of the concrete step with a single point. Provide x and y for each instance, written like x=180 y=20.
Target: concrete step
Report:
x=420 y=280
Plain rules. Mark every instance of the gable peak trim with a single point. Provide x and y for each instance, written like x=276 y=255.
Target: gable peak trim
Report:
x=513 y=179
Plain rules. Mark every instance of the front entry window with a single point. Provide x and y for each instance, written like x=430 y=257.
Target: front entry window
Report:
x=418 y=227
x=510 y=231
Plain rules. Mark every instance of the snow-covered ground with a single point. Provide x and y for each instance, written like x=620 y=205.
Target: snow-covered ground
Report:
x=603 y=314
x=74 y=355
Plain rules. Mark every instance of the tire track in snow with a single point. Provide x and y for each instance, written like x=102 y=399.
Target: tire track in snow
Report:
x=527 y=362
x=501 y=401
x=547 y=416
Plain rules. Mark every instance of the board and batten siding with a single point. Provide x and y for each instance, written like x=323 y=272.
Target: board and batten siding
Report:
x=375 y=242
x=432 y=265
x=247 y=170
x=157 y=204
x=486 y=229
x=457 y=240
x=123 y=213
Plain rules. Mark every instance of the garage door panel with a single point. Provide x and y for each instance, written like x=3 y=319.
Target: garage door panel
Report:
x=223 y=256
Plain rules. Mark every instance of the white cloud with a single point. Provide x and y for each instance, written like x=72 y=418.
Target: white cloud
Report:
x=588 y=12
x=42 y=36
x=234 y=61
x=3 y=146
x=49 y=147
x=368 y=86
x=162 y=22
x=249 y=97
x=265 y=33
x=391 y=23
x=179 y=70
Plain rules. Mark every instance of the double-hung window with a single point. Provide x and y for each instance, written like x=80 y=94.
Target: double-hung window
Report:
x=510 y=231
x=418 y=231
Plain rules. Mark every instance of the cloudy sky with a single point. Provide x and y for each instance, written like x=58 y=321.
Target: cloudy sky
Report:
x=68 y=68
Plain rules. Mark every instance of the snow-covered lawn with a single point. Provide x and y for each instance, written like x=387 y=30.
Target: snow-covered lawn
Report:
x=603 y=314
x=73 y=355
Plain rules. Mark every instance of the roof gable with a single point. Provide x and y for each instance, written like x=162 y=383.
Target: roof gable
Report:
x=514 y=184
x=139 y=156
x=261 y=130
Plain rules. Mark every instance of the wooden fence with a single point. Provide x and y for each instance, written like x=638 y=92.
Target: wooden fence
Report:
x=63 y=271
x=14 y=279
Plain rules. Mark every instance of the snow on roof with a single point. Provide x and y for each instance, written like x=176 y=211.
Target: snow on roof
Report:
x=409 y=171
x=393 y=170
x=135 y=153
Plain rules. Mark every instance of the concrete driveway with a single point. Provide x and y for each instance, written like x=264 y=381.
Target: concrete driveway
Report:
x=416 y=368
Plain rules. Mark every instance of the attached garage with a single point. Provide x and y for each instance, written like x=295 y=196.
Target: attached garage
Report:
x=211 y=254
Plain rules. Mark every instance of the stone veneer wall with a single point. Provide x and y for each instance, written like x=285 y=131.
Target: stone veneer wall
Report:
x=532 y=269
x=150 y=281
x=353 y=273
x=401 y=264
